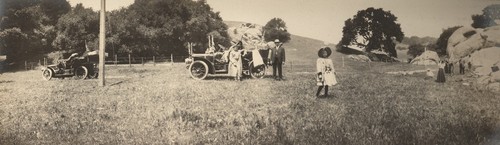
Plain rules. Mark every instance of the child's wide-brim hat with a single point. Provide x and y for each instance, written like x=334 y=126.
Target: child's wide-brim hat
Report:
x=327 y=49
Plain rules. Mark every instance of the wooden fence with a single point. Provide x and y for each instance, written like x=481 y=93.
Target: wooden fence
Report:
x=115 y=60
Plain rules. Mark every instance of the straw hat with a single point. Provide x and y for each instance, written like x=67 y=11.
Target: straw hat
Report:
x=328 y=52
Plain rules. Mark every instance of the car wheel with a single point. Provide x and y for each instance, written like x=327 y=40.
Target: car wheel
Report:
x=198 y=70
x=47 y=74
x=93 y=74
x=81 y=72
x=257 y=72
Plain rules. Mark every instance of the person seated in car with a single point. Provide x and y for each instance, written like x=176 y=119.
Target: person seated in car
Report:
x=65 y=62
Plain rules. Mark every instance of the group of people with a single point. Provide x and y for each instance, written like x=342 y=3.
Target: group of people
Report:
x=325 y=74
x=446 y=67
x=276 y=58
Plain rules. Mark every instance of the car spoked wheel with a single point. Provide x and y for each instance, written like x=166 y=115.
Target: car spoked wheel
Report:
x=198 y=70
x=81 y=72
x=257 y=72
x=47 y=74
x=93 y=74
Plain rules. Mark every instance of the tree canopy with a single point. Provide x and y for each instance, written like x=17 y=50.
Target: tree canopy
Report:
x=373 y=29
x=27 y=26
x=162 y=27
x=276 y=29
x=442 y=42
x=487 y=18
x=75 y=28
x=31 y=28
x=417 y=49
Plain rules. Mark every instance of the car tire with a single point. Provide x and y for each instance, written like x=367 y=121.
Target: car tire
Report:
x=81 y=73
x=47 y=74
x=257 y=72
x=198 y=70
x=93 y=74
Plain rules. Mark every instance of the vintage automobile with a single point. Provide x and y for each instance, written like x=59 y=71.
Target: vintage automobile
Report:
x=78 y=67
x=200 y=65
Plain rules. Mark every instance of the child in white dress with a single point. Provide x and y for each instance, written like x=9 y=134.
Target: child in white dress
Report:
x=325 y=71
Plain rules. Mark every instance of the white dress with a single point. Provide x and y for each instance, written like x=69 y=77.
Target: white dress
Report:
x=235 y=63
x=325 y=66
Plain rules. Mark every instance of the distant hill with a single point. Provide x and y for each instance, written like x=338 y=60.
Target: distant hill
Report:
x=419 y=40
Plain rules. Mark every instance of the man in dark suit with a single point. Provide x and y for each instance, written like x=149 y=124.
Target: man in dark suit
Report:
x=277 y=59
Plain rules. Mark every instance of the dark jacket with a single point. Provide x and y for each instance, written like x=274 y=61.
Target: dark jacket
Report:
x=277 y=54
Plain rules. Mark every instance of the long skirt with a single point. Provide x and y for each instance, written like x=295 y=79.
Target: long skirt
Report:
x=440 y=76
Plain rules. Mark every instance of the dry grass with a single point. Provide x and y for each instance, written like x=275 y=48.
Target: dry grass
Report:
x=162 y=105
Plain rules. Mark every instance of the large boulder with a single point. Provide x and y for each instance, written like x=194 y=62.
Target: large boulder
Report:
x=482 y=71
x=464 y=41
x=486 y=57
x=483 y=47
x=492 y=36
x=249 y=34
x=426 y=58
x=495 y=76
x=458 y=37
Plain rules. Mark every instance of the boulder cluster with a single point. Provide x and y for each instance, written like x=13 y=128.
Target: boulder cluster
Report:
x=251 y=35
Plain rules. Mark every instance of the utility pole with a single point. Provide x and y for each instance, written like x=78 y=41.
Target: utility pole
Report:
x=102 y=42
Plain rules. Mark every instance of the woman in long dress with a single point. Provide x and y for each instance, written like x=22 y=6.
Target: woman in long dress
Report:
x=325 y=71
x=440 y=75
x=235 y=63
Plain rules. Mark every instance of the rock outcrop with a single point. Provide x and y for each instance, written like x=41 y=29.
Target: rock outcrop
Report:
x=426 y=58
x=467 y=40
x=250 y=35
x=486 y=57
x=480 y=47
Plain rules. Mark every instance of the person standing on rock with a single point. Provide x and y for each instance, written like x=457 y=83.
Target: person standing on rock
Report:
x=461 y=66
x=440 y=75
x=451 y=67
x=277 y=59
x=469 y=64
x=325 y=71
x=446 y=67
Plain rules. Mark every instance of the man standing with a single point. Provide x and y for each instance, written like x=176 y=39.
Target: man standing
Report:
x=461 y=65
x=277 y=59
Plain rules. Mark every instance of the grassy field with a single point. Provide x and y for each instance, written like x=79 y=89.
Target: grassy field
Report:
x=162 y=105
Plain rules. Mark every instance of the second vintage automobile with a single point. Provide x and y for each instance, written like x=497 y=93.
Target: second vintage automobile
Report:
x=200 y=65
x=78 y=67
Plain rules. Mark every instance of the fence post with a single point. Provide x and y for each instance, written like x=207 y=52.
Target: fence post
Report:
x=172 y=58
x=116 y=59
x=25 y=65
x=154 y=62
x=44 y=62
x=129 y=61
x=142 y=61
x=343 y=61
x=39 y=62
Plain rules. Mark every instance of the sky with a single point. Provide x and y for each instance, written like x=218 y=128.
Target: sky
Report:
x=324 y=19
